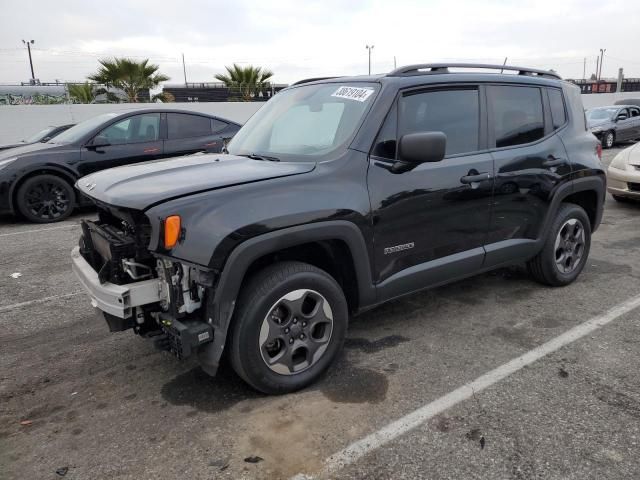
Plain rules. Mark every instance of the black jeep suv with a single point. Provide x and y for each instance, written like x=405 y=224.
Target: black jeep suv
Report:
x=338 y=195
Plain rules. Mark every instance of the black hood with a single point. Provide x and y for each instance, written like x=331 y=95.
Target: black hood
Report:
x=22 y=150
x=146 y=184
x=11 y=145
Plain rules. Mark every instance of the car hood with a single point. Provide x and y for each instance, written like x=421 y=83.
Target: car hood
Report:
x=147 y=184
x=11 y=145
x=26 y=149
x=598 y=123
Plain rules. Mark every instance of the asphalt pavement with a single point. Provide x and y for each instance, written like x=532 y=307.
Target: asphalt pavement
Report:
x=81 y=403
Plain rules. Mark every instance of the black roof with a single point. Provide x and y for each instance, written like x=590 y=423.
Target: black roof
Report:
x=127 y=113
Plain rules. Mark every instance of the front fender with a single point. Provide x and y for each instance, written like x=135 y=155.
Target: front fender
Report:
x=220 y=309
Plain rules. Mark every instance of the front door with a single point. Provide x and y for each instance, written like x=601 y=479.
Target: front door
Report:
x=130 y=140
x=625 y=125
x=430 y=223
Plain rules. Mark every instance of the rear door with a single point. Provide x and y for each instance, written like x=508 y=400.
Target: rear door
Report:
x=191 y=133
x=529 y=162
x=130 y=140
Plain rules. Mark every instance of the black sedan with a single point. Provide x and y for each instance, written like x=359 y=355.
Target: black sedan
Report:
x=42 y=136
x=616 y=123
x=37 y=180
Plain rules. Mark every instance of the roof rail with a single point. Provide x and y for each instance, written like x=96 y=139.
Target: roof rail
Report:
x=431 y=68
x=307 y=80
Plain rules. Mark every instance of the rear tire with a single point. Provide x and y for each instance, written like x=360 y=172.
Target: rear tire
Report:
x=289 y=325
x=566 y=248
x=45 y=199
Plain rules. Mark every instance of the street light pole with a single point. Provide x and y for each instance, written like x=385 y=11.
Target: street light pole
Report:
x=28 y=44
x=369 y=47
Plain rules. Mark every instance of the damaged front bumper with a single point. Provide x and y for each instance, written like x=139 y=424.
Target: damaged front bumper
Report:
x=116 y=300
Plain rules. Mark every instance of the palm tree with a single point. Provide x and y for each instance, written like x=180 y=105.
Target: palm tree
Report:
x=90 y=93
x=247 y=81
x=163 y=97
x=129 y=76
x=82 y=92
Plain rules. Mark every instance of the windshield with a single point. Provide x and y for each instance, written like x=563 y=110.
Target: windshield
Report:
x=601 y=113
x=40 y=135
x=306 y=123
x=78 y=132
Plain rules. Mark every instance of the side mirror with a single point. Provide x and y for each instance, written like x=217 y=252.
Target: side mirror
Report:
x=622 y=116
x=99 y=141
x=45 y=139
x=422 y=147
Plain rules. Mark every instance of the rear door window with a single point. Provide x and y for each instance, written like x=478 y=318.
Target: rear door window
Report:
x=517 y=115
x=183 y=125
x=218 y=125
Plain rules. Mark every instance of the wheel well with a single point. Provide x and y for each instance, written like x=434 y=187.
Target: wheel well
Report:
x=332 y=256
x=35 y=173
x=588 y=200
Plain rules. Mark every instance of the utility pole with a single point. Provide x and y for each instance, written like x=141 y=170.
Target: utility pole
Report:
x=369 y=47
x=28 y=44
x=602 y=50
x=584 y=69
x=394 y=62
x=184 y=70
x=597 y=67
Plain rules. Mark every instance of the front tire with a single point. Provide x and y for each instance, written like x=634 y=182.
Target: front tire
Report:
x=45 y=199
x=289 y=325
x=608 y=140
x=566 y=248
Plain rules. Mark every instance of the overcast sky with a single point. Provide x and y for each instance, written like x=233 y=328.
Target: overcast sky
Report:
x=298 y=39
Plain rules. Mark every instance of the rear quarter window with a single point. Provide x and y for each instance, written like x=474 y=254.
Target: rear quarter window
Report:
x=558 y=111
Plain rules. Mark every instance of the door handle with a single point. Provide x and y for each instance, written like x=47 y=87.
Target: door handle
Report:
x=478 y=177
x=151 y=150
x=552 y=161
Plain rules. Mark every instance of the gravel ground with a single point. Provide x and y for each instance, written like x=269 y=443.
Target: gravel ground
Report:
x=100 y=405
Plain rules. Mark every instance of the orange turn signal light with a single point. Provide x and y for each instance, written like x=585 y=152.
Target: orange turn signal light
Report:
x=171 y=231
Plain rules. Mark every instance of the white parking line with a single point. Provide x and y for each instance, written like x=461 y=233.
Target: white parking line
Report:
x=39 y=230
x=7 y=308
x=416 y=418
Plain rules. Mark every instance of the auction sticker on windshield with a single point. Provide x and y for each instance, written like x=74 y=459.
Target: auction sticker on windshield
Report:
x=353 y=93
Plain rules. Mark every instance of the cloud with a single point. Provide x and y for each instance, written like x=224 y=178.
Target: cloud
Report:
x=315 y=38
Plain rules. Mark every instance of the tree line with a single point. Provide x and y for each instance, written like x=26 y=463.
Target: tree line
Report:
x=123 y=79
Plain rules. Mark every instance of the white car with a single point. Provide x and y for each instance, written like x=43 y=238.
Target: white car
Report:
x=623 y=174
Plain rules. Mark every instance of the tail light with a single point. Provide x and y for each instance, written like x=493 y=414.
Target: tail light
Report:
x=172 y=230
x=599 y=150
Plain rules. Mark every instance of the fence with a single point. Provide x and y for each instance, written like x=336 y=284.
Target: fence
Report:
x=20 y=121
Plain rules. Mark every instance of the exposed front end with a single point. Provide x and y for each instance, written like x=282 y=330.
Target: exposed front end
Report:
x=155 y=295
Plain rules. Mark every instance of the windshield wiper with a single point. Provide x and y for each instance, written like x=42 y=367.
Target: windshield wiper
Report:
x=255 y=156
